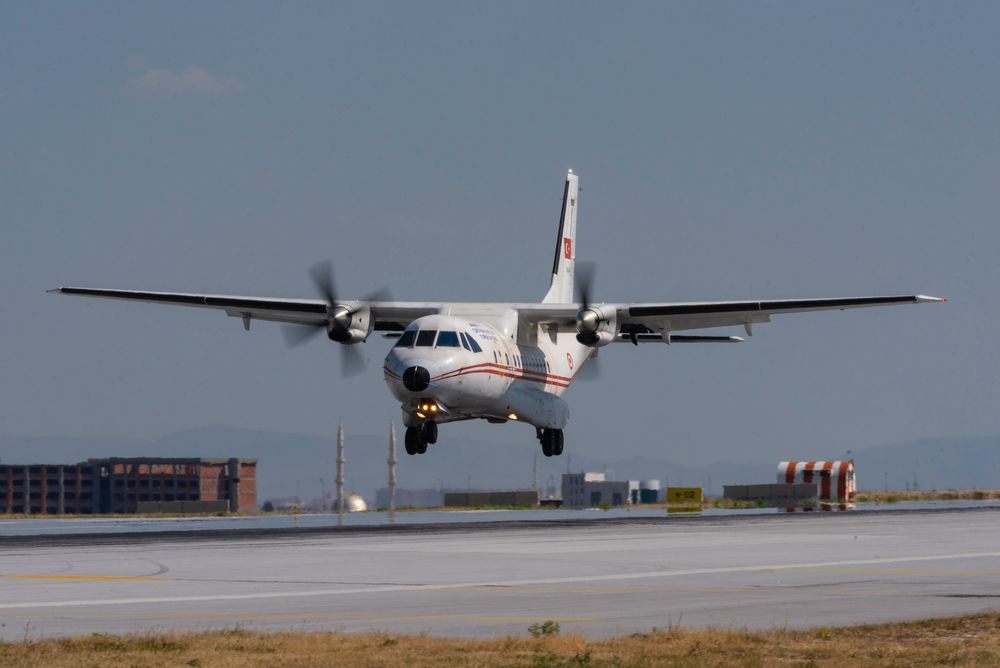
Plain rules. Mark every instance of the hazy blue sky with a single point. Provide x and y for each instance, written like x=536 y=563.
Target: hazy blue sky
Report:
x=726 y=150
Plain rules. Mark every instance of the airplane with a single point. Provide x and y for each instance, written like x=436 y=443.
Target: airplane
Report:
x=499 y=362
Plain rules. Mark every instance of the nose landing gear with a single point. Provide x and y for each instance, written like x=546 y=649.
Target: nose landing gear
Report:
x=552 y=441
x=417 y=438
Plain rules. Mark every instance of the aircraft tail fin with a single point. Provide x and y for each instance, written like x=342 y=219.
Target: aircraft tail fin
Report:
x=561 y=289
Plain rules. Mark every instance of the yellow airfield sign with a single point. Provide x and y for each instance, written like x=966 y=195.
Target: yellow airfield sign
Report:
x=684 y=495
x=684 y=499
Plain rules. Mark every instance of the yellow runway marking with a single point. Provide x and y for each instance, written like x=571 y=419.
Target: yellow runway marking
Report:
x=80 y=577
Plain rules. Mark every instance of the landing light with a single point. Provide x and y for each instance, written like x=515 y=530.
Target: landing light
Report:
x=512 y=416
x=420 y=415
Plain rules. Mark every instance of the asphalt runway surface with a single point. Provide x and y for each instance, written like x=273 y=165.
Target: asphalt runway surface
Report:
x=599 y=577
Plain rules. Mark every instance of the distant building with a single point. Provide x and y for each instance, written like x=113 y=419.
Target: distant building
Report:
x=431 y=497
x=594 y=489
x=492 y=498
x=129 y=485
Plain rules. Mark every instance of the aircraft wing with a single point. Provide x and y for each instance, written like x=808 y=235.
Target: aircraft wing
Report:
x=634 y=320
x=388 y=316
x=654 y=318
x=702 y=315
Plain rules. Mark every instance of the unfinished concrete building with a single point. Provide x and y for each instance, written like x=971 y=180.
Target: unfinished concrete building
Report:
x=123 y=485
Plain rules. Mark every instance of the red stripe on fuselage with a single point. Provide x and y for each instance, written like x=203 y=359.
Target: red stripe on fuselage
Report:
x=497 y=370
x=515 y=372
x=507 y=372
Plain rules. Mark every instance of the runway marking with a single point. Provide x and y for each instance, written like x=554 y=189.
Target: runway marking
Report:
x=502 y=589
x=785 y=589
x=893 y=571
x=275 y=616
x=80 y=577
x=511 y=583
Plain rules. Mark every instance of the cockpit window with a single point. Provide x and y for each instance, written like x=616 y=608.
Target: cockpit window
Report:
x=472 y=342
x=465 y=341
x=447 y=339
x=406 y=339
x=426 y=337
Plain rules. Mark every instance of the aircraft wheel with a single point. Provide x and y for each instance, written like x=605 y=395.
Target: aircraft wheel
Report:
x=422 y=447
x=557 y=442
x=412 y=440
x=431 y=432
x=546 y=439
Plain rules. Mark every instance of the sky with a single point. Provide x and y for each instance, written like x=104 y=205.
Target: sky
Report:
x=725 y=151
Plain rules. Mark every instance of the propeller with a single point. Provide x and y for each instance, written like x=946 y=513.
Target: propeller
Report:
x=339 y=319
x=587 y=320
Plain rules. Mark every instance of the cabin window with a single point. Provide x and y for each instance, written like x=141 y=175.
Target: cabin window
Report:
x=426 y=338
x=406 y=339
x=447 y=339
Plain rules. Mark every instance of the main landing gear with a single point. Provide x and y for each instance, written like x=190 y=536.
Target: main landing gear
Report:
x=417 y=438
x=552 y=441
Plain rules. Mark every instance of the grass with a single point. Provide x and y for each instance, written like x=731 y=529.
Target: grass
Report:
x=931 y=495
x=959 y=641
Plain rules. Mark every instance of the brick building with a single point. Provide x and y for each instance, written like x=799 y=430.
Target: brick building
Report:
x=129 y=485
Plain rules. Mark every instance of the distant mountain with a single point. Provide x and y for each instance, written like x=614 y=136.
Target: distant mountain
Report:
x=938 y=463
x=291 y=463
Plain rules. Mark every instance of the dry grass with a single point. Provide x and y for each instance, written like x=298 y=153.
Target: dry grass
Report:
x=931 y=495
x=960 y=641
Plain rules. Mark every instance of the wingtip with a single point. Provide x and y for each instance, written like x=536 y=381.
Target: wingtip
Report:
x=54 y=291
x=927 y=298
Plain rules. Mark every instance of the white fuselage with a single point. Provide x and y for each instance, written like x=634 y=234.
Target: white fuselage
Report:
x=492 y=371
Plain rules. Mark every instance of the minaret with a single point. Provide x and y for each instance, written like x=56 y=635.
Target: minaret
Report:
x=534 y=474
x=340 y=467
x=392 y=466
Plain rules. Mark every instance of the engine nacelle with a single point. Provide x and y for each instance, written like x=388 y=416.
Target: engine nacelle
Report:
x=597 y=325
x=347 y=325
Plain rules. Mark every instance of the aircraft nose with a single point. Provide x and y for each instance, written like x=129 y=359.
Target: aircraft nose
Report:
x=416 y=379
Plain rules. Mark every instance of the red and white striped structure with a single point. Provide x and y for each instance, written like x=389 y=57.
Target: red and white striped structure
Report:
x=835 y=479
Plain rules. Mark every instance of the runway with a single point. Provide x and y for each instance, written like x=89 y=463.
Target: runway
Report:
x=599 y=577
